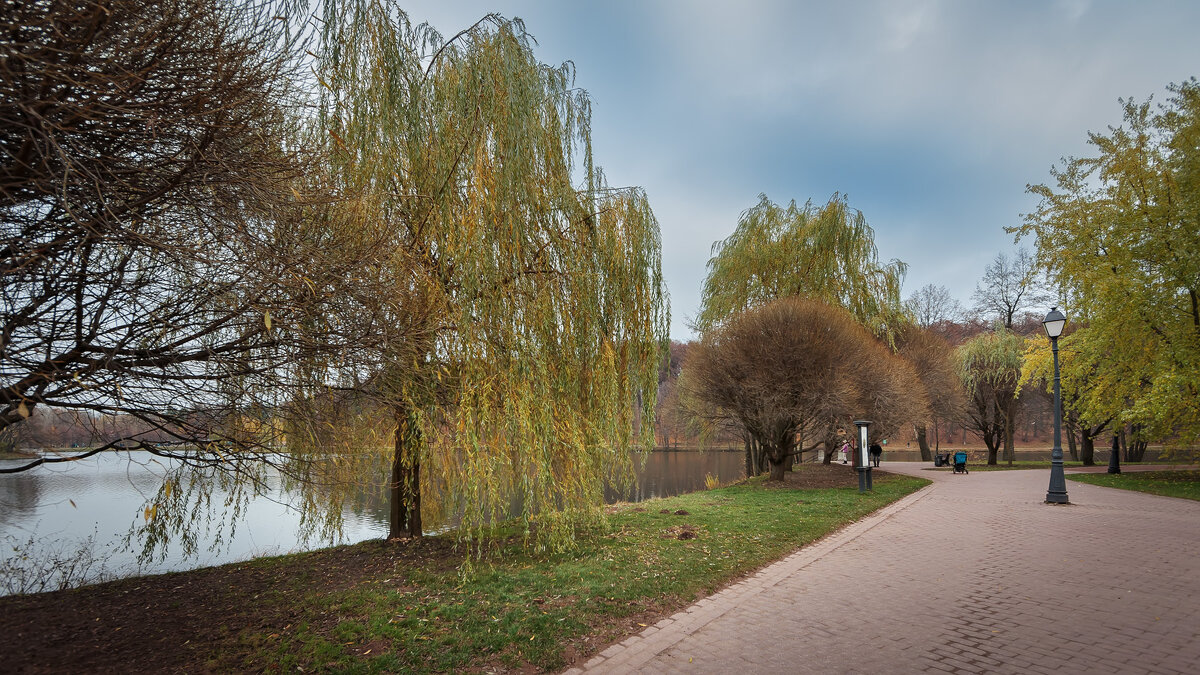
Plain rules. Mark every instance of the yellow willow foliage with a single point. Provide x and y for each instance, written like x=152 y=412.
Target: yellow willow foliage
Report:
x=825 y=253
x=540 y=311
x=993 y=359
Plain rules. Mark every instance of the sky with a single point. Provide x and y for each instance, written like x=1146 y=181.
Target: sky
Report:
x=931 y=116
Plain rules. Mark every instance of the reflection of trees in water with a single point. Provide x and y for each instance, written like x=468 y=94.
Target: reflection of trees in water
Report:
x=18 y=493
x=664 y=474
x=669 y=473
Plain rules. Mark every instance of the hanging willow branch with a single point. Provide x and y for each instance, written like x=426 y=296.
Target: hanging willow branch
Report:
x=541 y=303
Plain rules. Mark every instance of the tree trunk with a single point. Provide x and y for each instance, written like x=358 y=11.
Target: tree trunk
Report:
x=993 y=450
x=1010 y=424
x=1087 y=450
x=779 y=463
x=1070 y=429
x=829 y=450
x=923 y=443
x=405 y=485
x=749 y=458
x=1135 y=448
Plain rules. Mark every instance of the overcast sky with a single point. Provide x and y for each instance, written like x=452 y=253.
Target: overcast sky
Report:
x=931 y=116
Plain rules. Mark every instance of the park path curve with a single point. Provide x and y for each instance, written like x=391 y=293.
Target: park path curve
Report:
x=972 y=574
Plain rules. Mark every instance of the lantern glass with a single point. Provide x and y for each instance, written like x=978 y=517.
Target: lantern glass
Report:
x=1054 y=323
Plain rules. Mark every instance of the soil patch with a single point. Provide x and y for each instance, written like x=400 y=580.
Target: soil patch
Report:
x=184 y=622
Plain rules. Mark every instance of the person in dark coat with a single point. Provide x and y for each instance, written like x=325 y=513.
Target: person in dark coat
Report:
x=876 y=451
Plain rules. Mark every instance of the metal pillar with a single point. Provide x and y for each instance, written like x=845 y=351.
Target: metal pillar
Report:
x=1057 y=494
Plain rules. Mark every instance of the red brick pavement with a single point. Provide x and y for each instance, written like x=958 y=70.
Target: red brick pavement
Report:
x=973 y=574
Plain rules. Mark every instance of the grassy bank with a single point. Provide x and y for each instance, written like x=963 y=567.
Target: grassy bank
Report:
x=1184 y=484
x=388 y=606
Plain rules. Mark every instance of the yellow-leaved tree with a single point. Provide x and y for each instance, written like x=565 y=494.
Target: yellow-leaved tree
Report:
x=1119 y=233
x=531 y=292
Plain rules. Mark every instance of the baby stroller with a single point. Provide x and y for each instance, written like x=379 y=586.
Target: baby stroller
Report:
x=960 y=462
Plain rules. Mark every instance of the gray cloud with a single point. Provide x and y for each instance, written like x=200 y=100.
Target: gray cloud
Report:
x=931 y=115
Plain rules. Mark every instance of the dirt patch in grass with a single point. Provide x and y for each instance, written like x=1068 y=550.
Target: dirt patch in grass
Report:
x=179 y=622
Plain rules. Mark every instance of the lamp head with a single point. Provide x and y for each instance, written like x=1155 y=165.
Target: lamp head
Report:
x=1054 y=323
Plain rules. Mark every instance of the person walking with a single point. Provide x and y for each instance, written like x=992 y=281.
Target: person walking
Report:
x=876 y=451
x=844 y=451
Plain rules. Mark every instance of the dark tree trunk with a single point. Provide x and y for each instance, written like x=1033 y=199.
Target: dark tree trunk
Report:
x=405 y=485
x=923 y=443
x=1135 y=449
x=1010 y=424
x=829 y=450
x=749 y=459
x=1087 y=450
x=1070 y=429
x=779 y=462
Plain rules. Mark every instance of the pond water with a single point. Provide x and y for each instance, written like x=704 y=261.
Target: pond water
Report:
x=73 y=518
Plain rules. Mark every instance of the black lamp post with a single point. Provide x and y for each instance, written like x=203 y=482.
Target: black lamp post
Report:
x=1114 y=457
x=1057 y=494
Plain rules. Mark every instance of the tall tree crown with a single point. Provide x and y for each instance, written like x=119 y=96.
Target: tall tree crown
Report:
x=548 y=312
x=826 y=253
x=1118 y=233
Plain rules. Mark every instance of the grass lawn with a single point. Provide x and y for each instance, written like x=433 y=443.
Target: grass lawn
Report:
x=1185 y=484
x=407 y=606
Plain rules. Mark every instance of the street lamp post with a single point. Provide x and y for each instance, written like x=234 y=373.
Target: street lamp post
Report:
x=1114 y=457
x=1057 y=494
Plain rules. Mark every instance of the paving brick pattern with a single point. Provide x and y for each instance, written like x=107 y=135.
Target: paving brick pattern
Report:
x=973 y=574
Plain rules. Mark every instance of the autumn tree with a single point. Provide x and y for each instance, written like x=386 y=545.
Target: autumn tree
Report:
x=145 y=159
x=538 y=309
x=1118 y=235
x=1010 y=285
x=825 y=253
x=790 y=371
x=670 y=417
x=932 y=360
x=930 y=305
x=989 y=366
x=1009 y=288
x=1078 y=377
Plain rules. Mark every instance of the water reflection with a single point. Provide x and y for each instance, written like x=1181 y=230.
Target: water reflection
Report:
x=104 y=496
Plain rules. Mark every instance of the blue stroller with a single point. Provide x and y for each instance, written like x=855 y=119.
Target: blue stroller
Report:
x=960 y=462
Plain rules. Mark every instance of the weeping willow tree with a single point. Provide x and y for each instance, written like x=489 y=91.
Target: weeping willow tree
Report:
x=989 y=366
x=825 y=254
x=530 y=292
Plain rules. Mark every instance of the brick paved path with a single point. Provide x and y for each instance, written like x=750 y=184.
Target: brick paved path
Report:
x=972 y=574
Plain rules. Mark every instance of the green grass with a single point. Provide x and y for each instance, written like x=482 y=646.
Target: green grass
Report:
x=520 y=610
x=1185 y=484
